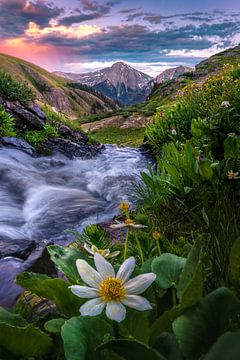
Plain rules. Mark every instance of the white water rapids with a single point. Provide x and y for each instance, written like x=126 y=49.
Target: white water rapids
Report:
x=41 y=197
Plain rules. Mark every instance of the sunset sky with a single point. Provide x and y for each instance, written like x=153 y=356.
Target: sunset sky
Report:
x=86 y=35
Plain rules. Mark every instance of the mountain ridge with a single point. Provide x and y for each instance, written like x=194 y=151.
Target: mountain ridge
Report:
x=52 y=90
x=120 y=82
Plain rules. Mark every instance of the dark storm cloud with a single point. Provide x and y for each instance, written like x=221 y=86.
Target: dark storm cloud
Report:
x=133 y=41
x=16 y=14
x=127 y=11
x=91 y=10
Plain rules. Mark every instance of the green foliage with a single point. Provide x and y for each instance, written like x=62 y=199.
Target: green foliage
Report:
x=6 y=124
x=20 y=338
x=81 y=336
x=228 y=343
x=52 y=289
x=132 y=350
x=13 y=90
x=36 y=137
x=113 y=135
x=65 y=260
x=217 y=313
x=168 y=268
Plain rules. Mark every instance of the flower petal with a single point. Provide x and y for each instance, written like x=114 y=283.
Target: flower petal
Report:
x=126 y=269
x=115 y=311
x=118 y=226
x=137 y=302
x=113 y=254
x=139 y=284
x=92 y=307
x=88 y=249
x=84 y=292
x=104 y=267
x=138 y=226
x=89 y=275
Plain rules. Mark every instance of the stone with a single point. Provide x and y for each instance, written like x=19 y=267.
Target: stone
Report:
x=17 y=143
x=20 y=248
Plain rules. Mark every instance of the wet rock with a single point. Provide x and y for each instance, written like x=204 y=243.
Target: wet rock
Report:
x=9 y=291
x=17 y=143
x=29 y=116
x=20 y=248
x=72 y=149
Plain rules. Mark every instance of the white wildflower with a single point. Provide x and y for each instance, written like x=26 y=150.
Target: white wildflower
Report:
x=104 y=252
x=105 y=289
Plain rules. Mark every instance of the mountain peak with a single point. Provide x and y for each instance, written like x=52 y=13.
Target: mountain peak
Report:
x=172 y=73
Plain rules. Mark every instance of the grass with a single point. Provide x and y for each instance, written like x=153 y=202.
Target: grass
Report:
x=111 y=135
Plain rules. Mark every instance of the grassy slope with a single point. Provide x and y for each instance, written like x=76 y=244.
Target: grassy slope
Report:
x=54 y=90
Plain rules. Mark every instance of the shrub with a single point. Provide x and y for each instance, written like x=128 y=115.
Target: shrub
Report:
x=35 y=137
x=14 y=90
x=6 y=124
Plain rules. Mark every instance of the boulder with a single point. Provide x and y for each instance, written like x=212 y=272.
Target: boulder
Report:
x=17 y=143
x=72 y=149
x=27 y=117
x=20 y=248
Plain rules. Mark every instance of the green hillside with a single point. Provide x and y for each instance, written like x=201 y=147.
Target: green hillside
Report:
x=64 y=97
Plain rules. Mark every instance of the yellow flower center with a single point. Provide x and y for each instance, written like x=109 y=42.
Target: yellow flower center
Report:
x=129 y=222
x=100 y=251
x=156 y=235
x=124 y=206
x=112 y=289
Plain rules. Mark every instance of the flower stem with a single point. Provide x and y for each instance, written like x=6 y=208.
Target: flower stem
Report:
x=116 y=330
x=158 y=248
x=126 y=245
x=140 y=250
x=174 y=299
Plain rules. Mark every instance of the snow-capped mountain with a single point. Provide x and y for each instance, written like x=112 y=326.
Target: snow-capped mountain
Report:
x=170 y=74
x=119 y=82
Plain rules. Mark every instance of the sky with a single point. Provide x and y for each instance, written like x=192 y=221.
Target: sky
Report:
x=87 y=35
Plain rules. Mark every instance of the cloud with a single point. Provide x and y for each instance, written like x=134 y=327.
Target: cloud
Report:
x=93 y=10
x=36 y=32
x=152 y=69
x=130 y=10
x=16 y=14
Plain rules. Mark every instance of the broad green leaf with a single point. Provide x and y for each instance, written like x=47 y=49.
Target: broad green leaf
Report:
x=200 y=326
x=168 y=346
x=65 y=259
x=226 y=347
x=132 y=350
x=54 y=326
x=168 y=268
x=235 y=263
x=190 y=284
x=136 y=325
x=27 y=341
x=164 y=322
x=52 y=289
x=81 y=335
x=9 y=318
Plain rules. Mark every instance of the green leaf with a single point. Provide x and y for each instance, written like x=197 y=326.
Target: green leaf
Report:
x=132 y=350
x=136 y=325
x=200 y=326
x=234 y=262
x=52 y=289
x=81 y=335
x=190 y=284
x=164 y=322
x=9 y=318
x=168 y=268
x=226 y=347
x=65 y=259
x=167 y=345
x=54 y=326
x=27 y=341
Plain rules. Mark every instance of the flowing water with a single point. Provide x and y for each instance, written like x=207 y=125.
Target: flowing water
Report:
x=42 y=197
